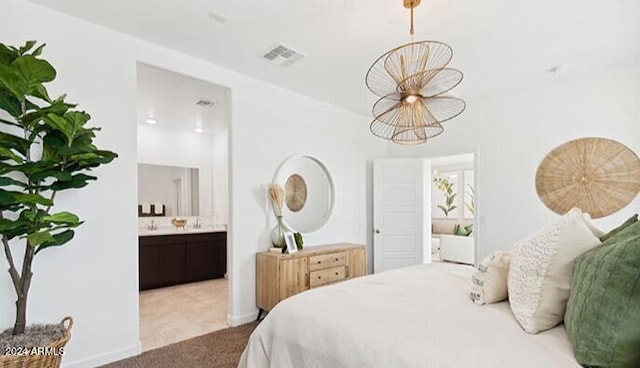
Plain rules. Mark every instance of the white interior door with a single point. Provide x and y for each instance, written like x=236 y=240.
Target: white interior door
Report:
x=401 y=216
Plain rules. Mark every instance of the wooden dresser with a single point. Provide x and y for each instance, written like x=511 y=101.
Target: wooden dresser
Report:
x=279 y=276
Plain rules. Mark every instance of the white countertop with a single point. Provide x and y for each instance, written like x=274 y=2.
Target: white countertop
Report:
x=170 y=230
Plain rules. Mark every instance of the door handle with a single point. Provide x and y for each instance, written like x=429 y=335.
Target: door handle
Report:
x=377 y=231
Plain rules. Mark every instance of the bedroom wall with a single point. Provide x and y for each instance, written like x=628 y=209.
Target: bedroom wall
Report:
x=512 y=131
x=94 y=279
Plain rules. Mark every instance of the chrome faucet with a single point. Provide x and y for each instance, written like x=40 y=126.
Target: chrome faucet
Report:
x=197 y=225
x=152 y=226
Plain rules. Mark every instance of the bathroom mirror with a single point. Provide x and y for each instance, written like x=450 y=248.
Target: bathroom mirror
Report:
x=174 y=191
x=309 y=193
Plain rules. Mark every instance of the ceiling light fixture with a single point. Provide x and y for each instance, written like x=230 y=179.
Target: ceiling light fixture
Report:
x=151 y=121
x=411 y=81
x=199 y=130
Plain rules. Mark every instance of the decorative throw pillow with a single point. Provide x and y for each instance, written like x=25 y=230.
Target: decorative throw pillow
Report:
x=462 y=231
x=489 y=281
x=630 y=221
x=442 y=228
x=541 y=270
x=603 y=312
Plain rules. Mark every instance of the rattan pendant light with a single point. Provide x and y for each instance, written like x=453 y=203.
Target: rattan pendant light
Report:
x=598 y=175
x=411 y=81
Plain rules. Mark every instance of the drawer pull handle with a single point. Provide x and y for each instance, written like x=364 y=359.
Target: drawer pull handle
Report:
x=336 y=274
x=319 y=277
x=337 y=259
x=319 y=262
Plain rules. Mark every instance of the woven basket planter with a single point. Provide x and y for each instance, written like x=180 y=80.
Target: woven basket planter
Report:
x=51 y=358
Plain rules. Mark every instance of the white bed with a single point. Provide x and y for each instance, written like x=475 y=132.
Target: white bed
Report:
x=419 y=316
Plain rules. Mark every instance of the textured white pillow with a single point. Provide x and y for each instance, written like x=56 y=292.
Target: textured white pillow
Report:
x=541 y=270
x=489 y=282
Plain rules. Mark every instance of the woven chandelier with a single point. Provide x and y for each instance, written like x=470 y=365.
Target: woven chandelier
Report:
x=412 y=81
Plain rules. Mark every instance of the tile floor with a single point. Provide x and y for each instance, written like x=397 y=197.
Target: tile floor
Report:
x=177 y=313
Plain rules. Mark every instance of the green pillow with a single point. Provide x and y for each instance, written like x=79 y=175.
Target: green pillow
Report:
x=603 y=311
x=462 y=231
x=630 y=221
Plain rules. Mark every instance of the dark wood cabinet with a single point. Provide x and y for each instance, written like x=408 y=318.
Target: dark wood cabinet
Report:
x=166 y=260
x=150 y=267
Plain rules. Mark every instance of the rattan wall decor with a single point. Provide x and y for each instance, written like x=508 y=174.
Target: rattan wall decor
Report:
x=598 y=175
x=411 y=82
x=295 y=193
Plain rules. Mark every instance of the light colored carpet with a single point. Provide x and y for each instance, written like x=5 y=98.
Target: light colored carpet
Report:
x=219 y=349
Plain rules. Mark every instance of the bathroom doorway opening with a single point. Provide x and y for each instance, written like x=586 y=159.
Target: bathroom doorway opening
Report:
x=453 y=209
x=183 y=197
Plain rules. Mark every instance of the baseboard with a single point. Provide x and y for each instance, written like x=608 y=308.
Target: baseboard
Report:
x=243 y=319
x=109 y=357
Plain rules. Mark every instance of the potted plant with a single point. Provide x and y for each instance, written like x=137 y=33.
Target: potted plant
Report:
x=45 y=148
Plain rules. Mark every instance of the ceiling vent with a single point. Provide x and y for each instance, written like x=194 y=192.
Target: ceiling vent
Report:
x=281 y=55
x=205 y=103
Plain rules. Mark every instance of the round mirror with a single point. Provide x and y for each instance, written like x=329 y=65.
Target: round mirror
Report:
x=308 y=193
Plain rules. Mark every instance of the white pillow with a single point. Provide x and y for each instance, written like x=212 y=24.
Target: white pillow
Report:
x=541 y=270
x=489 y=282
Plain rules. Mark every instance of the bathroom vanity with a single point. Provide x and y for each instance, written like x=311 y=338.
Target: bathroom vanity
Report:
x=177 y=256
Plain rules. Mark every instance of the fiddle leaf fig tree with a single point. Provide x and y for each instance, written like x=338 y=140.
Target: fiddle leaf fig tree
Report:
x=45 y=148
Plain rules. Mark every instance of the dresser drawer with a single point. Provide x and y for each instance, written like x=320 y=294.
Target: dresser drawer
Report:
x=327 y=260
x=328 y=276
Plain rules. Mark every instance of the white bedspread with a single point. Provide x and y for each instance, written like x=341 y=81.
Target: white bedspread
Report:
x=414 y=317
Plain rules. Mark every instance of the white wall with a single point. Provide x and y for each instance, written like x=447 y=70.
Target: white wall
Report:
x=173 y=147
x=512 y=132
x=95 y=277
x=221 y=177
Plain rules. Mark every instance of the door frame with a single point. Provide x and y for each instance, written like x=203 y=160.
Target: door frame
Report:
x=478 y=220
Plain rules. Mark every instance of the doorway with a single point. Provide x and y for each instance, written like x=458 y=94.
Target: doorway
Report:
x=424 y=211
x=453 y=208
x=183 y=173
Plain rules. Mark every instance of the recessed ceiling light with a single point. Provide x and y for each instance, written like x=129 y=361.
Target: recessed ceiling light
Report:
x=151 y=121
x=199 y=130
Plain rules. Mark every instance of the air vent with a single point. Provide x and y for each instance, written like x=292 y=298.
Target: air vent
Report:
x=205 y=103
x=282 y=55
